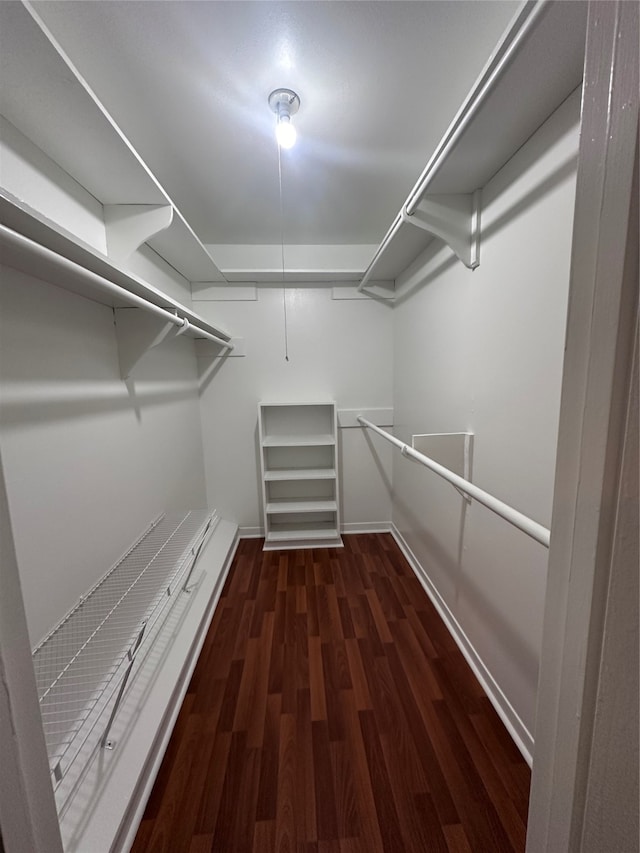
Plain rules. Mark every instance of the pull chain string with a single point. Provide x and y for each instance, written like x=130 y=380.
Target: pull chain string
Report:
x=284 y=291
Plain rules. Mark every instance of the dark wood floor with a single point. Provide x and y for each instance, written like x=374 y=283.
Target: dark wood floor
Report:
x=331 y=712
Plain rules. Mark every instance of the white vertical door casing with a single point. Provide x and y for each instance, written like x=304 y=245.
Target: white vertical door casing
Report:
x=595 y=395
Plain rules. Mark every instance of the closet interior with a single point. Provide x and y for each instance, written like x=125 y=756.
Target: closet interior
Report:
x=150 y=420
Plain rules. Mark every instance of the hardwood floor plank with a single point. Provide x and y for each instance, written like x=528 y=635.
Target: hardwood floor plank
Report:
x=163 y=778
x=305 y=772
x=201 y=844
x=223 y=836
x=415 y=663
x=369 y=833
x=326 y=819
x=358 y=677
x=287 y=800
x=255 y=719
x=347 y=815
x=183 y=829
x=332 y=712
x=313 y=623
x=316 y=680
x=230 y=700
x=210 y=797
x=443 y=801
x=264 y=836
x=167 y=829
x=387 y=815
x=268 y=784
x=369 y=627
x=457 y=841
x=289 y=674
x=479 y=818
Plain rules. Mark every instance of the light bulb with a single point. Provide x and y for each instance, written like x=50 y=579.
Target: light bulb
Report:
x=285 y=132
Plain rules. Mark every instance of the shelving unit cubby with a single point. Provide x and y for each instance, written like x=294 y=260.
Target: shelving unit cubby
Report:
x=299 y=460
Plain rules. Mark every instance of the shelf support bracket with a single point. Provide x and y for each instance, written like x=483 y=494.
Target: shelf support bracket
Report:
x=136 y=333
x=128 y=226
x=106 y=742
x=455 y=219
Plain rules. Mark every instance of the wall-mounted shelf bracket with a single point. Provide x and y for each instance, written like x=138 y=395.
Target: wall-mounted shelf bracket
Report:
x=455 y=219
x=136 y=333
x=128 y=226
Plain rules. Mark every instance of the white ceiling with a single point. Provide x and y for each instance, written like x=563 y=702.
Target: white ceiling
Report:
x=188 y=83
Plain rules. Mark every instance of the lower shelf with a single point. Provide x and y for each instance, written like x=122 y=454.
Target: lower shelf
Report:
x=82 y=661
x=101 y=810
x=302 y=535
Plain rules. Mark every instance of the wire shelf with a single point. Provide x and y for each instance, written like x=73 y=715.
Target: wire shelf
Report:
x=88 y=656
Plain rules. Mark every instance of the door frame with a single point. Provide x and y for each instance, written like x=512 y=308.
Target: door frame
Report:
x=596 y=391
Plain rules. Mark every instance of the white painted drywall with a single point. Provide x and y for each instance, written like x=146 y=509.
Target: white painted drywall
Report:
x=338 y=350
x=483 y=352
x=89 y=459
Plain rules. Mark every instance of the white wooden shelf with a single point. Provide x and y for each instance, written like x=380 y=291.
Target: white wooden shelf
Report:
x=299 y=440
x=23 y=219
x=285 y=474
x=283 y=506
x=299 y=462
x=39 y=86
x=312 y=534
x=536 y=65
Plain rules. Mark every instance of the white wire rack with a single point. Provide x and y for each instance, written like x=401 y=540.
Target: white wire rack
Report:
x=89 y=655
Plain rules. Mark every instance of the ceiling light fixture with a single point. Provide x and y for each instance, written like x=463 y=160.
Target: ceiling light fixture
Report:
x=284 y=103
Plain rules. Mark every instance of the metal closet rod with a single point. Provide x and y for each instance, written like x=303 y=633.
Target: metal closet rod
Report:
x=517 y=519
x=491 y=77
x=20 y=241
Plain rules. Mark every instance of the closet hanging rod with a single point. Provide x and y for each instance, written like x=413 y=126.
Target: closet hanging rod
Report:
x=513 y=516
x=15 y=240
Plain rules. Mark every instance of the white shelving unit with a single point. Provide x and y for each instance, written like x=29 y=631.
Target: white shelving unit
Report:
x=536 y=65
x=299 y=459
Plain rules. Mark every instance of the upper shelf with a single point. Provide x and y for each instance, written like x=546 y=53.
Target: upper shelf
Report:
x=20 y=218
x=44 y=96
x=536 y=65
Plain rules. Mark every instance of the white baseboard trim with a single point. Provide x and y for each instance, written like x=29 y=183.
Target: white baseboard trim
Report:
x=366 y=527
x=522 y=737
x=350 y=527
x=250 y=532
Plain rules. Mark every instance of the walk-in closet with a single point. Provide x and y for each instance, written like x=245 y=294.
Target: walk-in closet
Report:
x=319 y=426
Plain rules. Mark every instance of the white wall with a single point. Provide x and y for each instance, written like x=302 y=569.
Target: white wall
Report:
x=338 y=350
x=483 y=352
x=89 y=459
